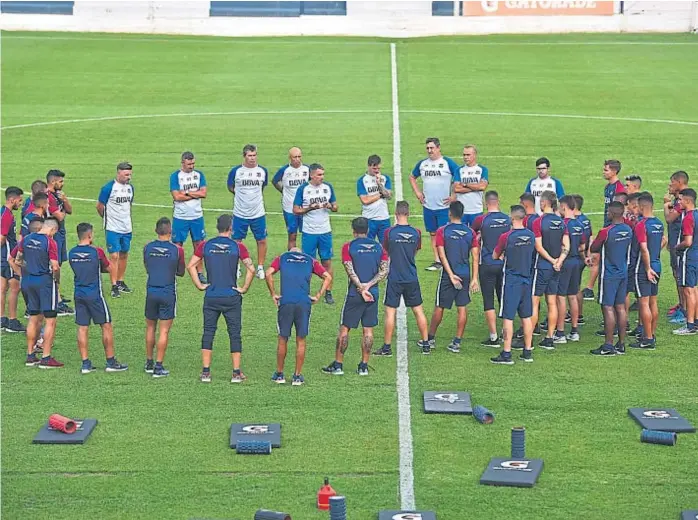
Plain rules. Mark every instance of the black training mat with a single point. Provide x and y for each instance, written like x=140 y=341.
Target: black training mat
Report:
x=448 y=402
x=515 y=473
x=406 y=515
x=48 y=435
x=689 y=515
x=661 y=419
x=256 y=432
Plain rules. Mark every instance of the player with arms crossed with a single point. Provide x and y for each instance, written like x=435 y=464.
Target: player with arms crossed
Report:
x=9 y=280
x=221 y=256
x=472 y=181
x=437 y=173
x=294 y=306
x=163 y=261
x=59 y=207
x=188 y=187
x=366 y=264
x=402 y=242
x=456 y=243
x=543 y=182
x=374 y=191
x=687 y=253
x=247 y=182
x=287 y=180
x=88 y=262
x=314 y=201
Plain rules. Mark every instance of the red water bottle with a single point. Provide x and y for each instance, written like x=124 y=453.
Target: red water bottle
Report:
x=323 y=496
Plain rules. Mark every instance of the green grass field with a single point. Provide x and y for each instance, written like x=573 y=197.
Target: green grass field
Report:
x=161 y=449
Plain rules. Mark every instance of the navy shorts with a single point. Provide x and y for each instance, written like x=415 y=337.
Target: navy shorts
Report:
x=160 y=305
x=376 y=229
x=118 y=242
x=673 y=258
x=292 y=315
x=447 y=294
x=410 y=291
x=62 y=246
x=545 y=281
x=317 y=244
x=491 y=278
x=613 y=292
x=7 y=273
x=181 y=229
x=469 y=218
x=516 y=298
x=687 y=271
x=293 y=222
x=258 y=226
x=570 y=277
x=643 y=287
x=357 y=311
x=41 y=295
x=434 y=218
x=91 y=309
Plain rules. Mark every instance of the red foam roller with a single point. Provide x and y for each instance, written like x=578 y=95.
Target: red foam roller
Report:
x=61 y=423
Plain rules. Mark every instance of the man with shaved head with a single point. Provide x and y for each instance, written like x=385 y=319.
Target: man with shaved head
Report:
x=287 y=180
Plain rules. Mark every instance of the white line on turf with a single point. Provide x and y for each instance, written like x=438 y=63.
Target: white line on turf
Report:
x=403 y=377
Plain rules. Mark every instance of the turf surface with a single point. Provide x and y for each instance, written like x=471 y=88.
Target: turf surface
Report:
x=161 y=451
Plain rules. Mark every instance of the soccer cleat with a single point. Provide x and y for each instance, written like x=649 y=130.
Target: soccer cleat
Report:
x=205 y=377
x=620 y=348
x=260 y=272
x=238 y=377
x=115 y=366
x=4 y=322
x=149 y=366
x=547 y=344
x=633 y=307
x=526 y=356
x=115 y=292
x=573 y=336
x=160 y=372
x=123 y=287
x=329 y=299
x=494 y=343
x=202 y=278
x=678 y=318
x=50 y=363
x=559 y=338
x=435 y=266
x=604 y=350
x=536 y=330
x=425 y=346
x=87 y=367
x=334 y=369
x=588 y=294
x=502 y=359
x=64 y=310
x=14 y=325
x=454 y=347
x=644 y=344
x=383 y=351
x=362 y=369
x=685 y=331
x=278 y=378
x=297 y=380
x=32 y=360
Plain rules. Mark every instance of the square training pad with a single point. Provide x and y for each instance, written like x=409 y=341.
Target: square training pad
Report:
x=447 y=402
x=48 y=435
x=662 y=419
x=689 y=515
x=508 y=472
x=406 y=515
x=256 y=432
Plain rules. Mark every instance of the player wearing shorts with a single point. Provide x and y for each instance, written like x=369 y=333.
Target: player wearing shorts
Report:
x=586 y=259
x=687 y=257
x=517 y=247
x=247 y=182
x=469 y=186
x=114 y=206
x=649 y=239
x=294 y=306
x=88 y=262
x=613 y=244
x=401 y=242
x=456 y=244
x=438 y=174
x=188 y=187
x=36 y=258
x=221 y=256
x=366 y=264
x=287 y=180
x=672 y=216
x=314 y=201
x=489 y=228
x=59 y=207
x=543 y=182
x=164 y=262
x=9 y=280
x=374 y=191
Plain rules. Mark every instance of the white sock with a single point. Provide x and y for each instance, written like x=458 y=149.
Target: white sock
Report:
x=493 y=336
x=260 y=267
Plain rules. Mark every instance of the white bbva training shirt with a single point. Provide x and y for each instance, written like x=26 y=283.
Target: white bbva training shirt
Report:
x=317 y=221
x=472 y=201
x=183 y=181
x=537 y=186
x=117 y=199
x=249 y=184
x=290 y=178
x=437 y=177
x=368 y=185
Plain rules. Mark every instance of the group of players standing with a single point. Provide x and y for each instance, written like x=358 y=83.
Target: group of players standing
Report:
x=536 y=251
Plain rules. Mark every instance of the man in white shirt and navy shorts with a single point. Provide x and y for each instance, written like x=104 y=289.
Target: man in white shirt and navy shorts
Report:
x=374 y=191
x=471 y=183
x=287 y=180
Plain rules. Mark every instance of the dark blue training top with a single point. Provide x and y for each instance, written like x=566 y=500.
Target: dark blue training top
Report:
x=575 y=230
x=296 y=270
x=457 y=241
x=490 y=227
x=402 y=242
x=610 y=191
x=221 y=256
x=550 y=228
x=648 y=231
x=38 y=251
x=366 y=256
x=518 y=246
x=163 y=262
x=87 y=263
x=613 y=242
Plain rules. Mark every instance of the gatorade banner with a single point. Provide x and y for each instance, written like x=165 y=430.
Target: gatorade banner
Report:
x=538 y=8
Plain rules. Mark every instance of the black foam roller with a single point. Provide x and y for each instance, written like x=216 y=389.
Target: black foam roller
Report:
x=266 y=514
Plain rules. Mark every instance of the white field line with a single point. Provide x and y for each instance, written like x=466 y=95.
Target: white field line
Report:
x=406 y=449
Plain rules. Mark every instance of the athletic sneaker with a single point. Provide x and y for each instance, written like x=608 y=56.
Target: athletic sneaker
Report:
x=620 y=348
x=362 y=369
x=278 y=378
x=202 y=278
x=637 y=331
x=454 y=347
x=519 y=333
x=65 y=300
x=644 y=344
x=602 y=333
x=547 y=344
x=526 y=356
x=580 y=320
x=87 y=367
x=329 y=299
x=536 y=330
x=149 y=366
x=559 y=338
x=14 y=325
x=205 y=377
x=633 y=307
x=238 y=377
x=685 y=331
x=604 y=350
x=32 y=360
x=115 y=366
x=517 y=344
x=435 y=266
x=588 y=294
x=425 y=346
x=4 y=322
x=383 y=351
x=260 y=272
x=672 y=310
x=544 y=325
x=573 y=336
x=501 y=359
x=50 y=363
x=123 y=287
x=160 y=371
x=494 y=343
x=115 y=293
x=334 y=369
x=679 y=317
x=297 y=380
x=64 y=310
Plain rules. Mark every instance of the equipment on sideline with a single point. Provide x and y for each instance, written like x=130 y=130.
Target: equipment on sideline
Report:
x=62 y=423
x=253 y=448
x=406 y=515
x=258 y=432
x=323 y=496
x=518 y=442
x=338 y=508
x=48 y=434
x=448 y=402
x=661 y=419
x=265 y=514
x=689 y=515
x=657 y=437
x=483 y=415
x=514 y=473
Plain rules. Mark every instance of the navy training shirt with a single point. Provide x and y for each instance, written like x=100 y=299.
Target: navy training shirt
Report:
x=38 y=251
x=87 y=263
x=296 y=270
x=402 y=242
x=366 y=256
x=490 y=227
x=221 y=256
x=163 y=262
x=550 y=228
x=613 y=242
x=575 y=230
x=518 y=246
x=457 y=241
x=610 y=190
x=649 y=231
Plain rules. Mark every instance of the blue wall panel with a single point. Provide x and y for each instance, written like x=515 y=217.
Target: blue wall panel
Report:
x=37 y=7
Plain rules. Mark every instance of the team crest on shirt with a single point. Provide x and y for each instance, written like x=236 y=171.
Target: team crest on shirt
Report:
x=441 y=165
x=259 y=174
x=325 y=191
